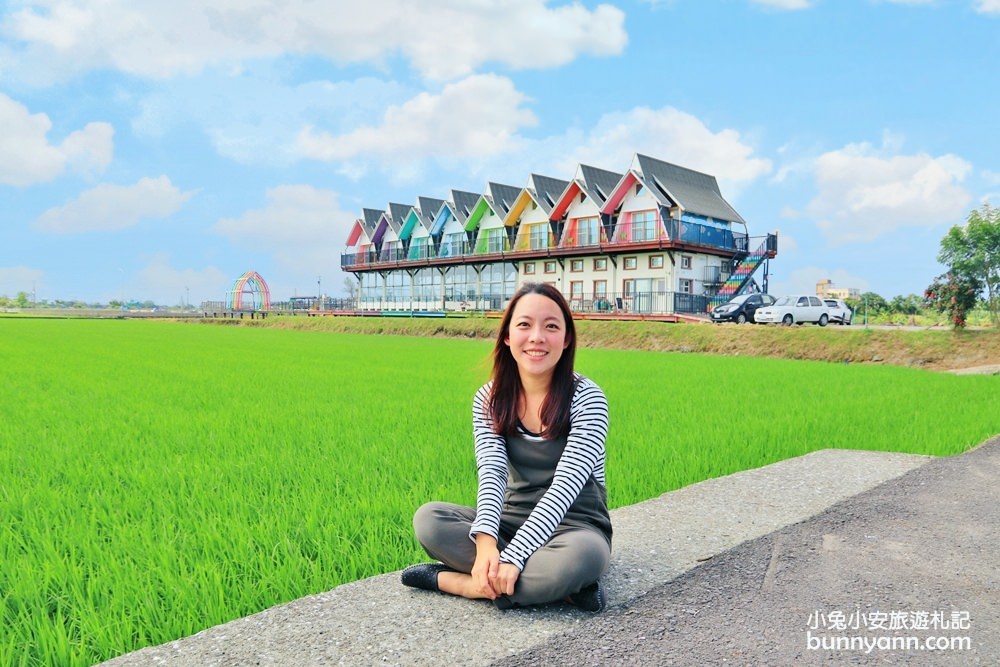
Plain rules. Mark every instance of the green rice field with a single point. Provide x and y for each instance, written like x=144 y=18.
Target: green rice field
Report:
x=158 y=478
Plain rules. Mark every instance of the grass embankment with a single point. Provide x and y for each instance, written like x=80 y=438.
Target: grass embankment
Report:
x=157 y=479
x=933 y=349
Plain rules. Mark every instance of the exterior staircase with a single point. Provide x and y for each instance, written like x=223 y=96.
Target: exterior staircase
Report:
x=742 y=274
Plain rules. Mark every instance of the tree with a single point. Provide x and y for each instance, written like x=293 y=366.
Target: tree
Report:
x=906 y=305
x=21 y=299
x=351 y=288
x=954 y=295
x=972 y=254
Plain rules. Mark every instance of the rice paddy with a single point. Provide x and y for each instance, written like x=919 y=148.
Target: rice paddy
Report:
x=157 y=479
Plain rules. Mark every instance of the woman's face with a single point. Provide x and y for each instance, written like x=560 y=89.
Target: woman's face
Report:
x=537 y=336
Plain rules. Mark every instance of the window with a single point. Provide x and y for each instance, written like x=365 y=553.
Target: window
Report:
x=630 y=263
x=576 y=265
x=539 y=237
x=600 y=264
x=550 y=267
x=686 y=285
x=529 y=268
x=685 y=261
x=600 y=289
x=576 y=290
x=656 y=261
x=643 y=226
x=588 y=231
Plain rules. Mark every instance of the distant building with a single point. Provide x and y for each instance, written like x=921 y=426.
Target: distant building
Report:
x=825 y=289
x=657 y=239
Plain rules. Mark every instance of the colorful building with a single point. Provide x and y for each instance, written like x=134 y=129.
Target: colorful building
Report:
x=659 y=239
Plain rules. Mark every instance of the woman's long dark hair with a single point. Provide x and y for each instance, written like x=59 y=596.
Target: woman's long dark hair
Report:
x=507 y=389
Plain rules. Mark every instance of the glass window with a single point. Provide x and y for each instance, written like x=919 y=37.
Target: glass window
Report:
x=685 y=261
x=601 y=264
x=550 y=267
x=656 y=261
x=630 y=263
x=529 y=268
x=539 y=236
x=685 y=285
x=576 y=289
x=576 y=265
x=600 y=289
x=643 y=226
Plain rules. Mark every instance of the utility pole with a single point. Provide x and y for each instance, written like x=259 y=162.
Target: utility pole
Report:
x=319 y=294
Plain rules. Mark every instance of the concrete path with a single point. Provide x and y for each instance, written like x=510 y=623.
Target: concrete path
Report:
x=378 y=621
x=907 y=573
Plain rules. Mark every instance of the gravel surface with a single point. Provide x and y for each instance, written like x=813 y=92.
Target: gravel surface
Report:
x=378 y=621
x=925 y=542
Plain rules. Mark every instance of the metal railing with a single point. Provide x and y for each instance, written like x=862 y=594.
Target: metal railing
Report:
x=677 y=232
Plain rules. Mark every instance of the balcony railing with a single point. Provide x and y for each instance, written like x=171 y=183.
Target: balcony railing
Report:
x=678 y=233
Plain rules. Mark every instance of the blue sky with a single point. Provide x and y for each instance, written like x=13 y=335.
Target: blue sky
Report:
x=155 y=150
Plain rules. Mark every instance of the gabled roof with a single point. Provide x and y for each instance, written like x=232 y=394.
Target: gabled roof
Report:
x=427 y=209
x=463 y=203
x=370 y=220
x=498 y=197
x=397 y=215
x=357 y=229
x=596 y=184
x=502 y=197
x=422 y=214
x=693 y=191
x=546 y=190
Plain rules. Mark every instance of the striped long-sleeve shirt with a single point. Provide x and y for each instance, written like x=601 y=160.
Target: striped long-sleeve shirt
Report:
x=582 y=457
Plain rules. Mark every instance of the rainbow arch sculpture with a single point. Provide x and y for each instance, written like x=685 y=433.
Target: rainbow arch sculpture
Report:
x=249 y=292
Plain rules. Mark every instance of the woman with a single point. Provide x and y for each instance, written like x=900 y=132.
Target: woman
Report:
x=540 y=531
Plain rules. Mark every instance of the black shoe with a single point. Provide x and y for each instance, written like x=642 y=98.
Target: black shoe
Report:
x=590 y=598
x=424 y=575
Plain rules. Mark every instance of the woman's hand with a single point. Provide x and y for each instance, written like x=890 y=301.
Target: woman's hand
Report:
x=487 y=566
x=505 y=579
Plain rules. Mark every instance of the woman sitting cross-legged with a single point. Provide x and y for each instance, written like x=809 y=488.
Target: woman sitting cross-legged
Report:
x=540 y=531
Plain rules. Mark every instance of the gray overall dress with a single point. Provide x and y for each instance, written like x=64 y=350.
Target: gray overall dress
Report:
x=578 y=552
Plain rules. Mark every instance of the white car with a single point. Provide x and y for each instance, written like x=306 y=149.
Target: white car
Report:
x=794 y=309
x=840 y=312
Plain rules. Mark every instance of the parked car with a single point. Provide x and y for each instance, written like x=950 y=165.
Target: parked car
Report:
x=741 y=308
x=795 y=309
x=840 y=312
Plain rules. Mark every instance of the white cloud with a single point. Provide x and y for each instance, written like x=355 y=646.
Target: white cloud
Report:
x=166 y=285
x=991 y=177
x=112 y=207
x=302 y=226
x=14 y=279
x=477 y=116
x=27 y=157
x=865 y=193
x=441 y=38
x=262 y=128
x=988 y=6
x=667 y=134
x=789 y=5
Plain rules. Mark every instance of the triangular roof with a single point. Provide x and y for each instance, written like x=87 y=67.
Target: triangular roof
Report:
x=357 y=230
x=370 y=220
x=427 y=208
x=545 y=190
x=422 y=214
x=498 y=197
x=596 y=184
x=463 y=203
x=503 y=197
x=693 y=191
x=397 y=215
